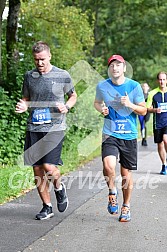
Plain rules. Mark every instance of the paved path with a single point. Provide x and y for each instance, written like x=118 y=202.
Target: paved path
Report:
x=87 y=226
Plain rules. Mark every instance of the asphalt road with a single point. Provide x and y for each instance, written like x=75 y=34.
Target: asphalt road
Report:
x=87 y=226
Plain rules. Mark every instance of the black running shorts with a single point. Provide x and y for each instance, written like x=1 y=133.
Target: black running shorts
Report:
x=158 y=134
x=43 y=147
x=125 y=149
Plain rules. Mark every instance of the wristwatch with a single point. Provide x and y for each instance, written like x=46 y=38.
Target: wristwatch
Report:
x=67 y=107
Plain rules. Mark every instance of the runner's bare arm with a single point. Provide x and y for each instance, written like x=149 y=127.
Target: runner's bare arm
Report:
x=154 y=110
x=64 y=108
x=101 y=107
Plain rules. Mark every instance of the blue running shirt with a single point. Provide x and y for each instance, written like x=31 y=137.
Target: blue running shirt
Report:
x=121 y=121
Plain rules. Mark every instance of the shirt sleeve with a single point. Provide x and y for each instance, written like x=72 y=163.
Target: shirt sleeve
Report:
x=136 y=95
x=68 y=85
x=98 y=95
x=150 y=97
x=141 y=95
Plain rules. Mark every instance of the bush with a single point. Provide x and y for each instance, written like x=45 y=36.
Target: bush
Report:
x=12 y=129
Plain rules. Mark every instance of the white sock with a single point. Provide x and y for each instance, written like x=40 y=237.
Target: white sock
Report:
x=49 y=204
x=59 y=189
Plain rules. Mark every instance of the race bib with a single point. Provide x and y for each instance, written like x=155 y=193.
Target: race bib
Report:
x=162 y=106
x=41 y=116
x=122 y=126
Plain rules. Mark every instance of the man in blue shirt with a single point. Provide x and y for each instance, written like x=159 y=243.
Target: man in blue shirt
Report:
x=157 y=104
x=119 y=99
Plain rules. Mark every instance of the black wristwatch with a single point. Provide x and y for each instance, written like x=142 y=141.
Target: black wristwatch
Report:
x=67 y=107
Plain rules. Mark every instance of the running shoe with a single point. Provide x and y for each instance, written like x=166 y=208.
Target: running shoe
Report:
x=112 y=203
x=45 y=213
x=125 y=214
x=163 y=171
x=62 y=199
x=144 y=142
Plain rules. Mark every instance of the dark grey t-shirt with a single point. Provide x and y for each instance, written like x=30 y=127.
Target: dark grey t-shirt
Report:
x=44 y=91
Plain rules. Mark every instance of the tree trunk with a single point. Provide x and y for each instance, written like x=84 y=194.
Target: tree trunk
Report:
x=2 y=7
x=11 y=44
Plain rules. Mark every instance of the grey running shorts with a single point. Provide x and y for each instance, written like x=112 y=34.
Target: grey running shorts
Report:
x=43 y=147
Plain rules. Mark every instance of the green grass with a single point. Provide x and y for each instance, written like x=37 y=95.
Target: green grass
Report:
x=15 y=181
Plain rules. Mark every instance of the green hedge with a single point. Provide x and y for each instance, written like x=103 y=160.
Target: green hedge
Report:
x=12 y=129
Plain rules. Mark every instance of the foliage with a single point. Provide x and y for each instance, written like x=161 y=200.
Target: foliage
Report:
x=66 y=30
x=12 y=129
x=135 y=29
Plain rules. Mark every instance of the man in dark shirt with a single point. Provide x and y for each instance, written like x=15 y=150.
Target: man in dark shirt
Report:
x=157 y=104
x=44 y=91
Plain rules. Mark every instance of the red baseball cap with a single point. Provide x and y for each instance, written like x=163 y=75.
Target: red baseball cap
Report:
x=116 y=57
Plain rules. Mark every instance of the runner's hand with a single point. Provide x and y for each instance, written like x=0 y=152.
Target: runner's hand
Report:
x=21 y=106
x=125 y=101
x=104 y=110
x=62 y=108
x=158 y=110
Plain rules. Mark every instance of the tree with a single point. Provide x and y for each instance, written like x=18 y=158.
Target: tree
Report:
x=134 y=28
x=66 y=29
x=11 y=44
x=2 y=7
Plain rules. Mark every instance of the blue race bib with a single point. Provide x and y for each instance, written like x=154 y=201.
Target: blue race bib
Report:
x=41 y=116
x=121 y=126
